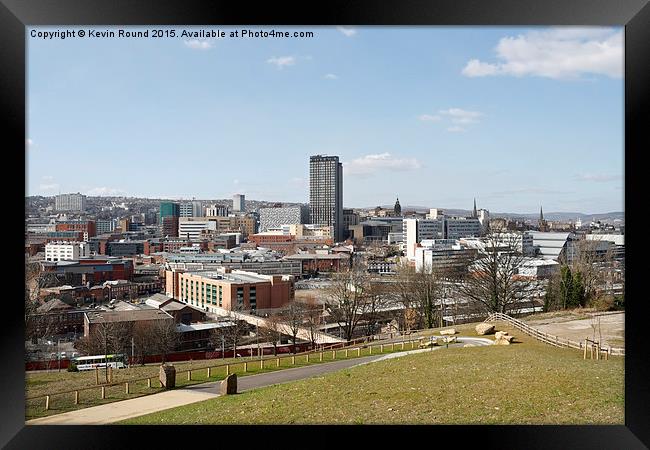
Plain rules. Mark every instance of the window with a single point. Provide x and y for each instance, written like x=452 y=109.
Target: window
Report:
x=240 y=296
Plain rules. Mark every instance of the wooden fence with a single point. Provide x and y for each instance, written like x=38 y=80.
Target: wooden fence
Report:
x=554 y=340
x=351 y=349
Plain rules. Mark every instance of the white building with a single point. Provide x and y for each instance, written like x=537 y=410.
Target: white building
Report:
x=307 y=230
x=66 y=251
x=191 y=227
x=239 y=202
x=554 y=245
x=70 y=202
x=538 y=268
x=217 y=211
x=416 y=230
x=441 y=254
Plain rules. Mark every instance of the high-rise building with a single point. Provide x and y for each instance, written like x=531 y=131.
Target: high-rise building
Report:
x=169 y=209
x=70 y=202
x=326 y=193
x=239 y=202
x=191 y=209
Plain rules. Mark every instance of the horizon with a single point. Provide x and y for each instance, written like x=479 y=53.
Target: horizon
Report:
x=452 y=113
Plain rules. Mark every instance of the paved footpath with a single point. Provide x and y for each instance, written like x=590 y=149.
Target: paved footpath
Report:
x=125 y=409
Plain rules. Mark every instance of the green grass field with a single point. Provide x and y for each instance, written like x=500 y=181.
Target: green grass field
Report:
x=525 y=383
x=49 y=383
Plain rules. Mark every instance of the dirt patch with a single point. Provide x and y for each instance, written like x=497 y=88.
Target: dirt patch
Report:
x=608 y=328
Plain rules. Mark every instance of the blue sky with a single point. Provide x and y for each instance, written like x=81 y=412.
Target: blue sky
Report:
x=516 y=117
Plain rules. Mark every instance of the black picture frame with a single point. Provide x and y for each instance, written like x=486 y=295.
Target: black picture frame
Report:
x=16 y=15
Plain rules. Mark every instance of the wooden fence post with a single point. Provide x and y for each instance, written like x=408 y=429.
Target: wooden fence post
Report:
x=47 y=402
x=333 y=354
x=381 y=348
x=370 y=347
x=320 y=358
x=307 y=357
x=262 y=364
x=245 y=367
x=126 y=388
x=76 y=397
x=103 y=392
x=227 y=369
x=346 y=352
x=148 y=382
x=209 y=372
x=277 y=362
x=358 y=351
x=293 y=360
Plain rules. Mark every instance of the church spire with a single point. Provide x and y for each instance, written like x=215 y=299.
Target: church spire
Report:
x=475 y=214
x=398 y=208
x=541 y=214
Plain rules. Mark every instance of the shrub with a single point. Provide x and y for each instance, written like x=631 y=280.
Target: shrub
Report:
x=72 y=367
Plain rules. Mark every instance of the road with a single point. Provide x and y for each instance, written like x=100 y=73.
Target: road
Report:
x=114 y=412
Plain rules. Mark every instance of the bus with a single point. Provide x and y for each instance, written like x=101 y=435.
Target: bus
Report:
x=116 y=361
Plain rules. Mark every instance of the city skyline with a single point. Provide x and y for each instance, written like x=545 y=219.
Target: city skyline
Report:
x=434 y=115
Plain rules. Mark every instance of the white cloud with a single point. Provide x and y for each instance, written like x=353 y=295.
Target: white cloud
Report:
x=104 y=191
x=331 y=76
x=282 y=61
x=370 y=164
x=558 y=53
x=349 y=32
x=598 y=178
x=429 y=118
x=463 y=116
x=52 y=187
x=455 y=129
x=198 y=44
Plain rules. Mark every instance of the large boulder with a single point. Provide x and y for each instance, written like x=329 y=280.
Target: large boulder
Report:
x=484 y=328
x=499 y=334
x=167 y=376
x=449 y=339
x=469 y=345
x=501 y=342
x=449 y=331
x=229 y=385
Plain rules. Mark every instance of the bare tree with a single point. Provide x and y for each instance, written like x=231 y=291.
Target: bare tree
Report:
x=293 y=317
x=106 y=338
x=493 y=280
x=587 y=260
x=420 y=293
x=232 y=335
x=271 y=331
x=313 y=318
x=346 y=298
x=167 y=337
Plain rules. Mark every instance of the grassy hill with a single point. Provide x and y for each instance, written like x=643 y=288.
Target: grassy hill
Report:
x=524 y=383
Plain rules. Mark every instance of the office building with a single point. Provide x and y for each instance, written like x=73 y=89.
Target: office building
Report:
x=326 y=193
x=234 y=289
x=169 y=209
x=416 y=230
x=191 y=209
x=191 y=227
x=87 y=227
x=66 y=251
x=217 y=211
x=239 y=202
x=276 y=217
x=70 y=202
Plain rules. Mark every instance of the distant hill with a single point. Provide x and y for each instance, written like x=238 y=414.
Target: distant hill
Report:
x=560 y=216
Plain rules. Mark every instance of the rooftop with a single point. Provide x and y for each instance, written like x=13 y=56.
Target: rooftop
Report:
x=126 y=316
